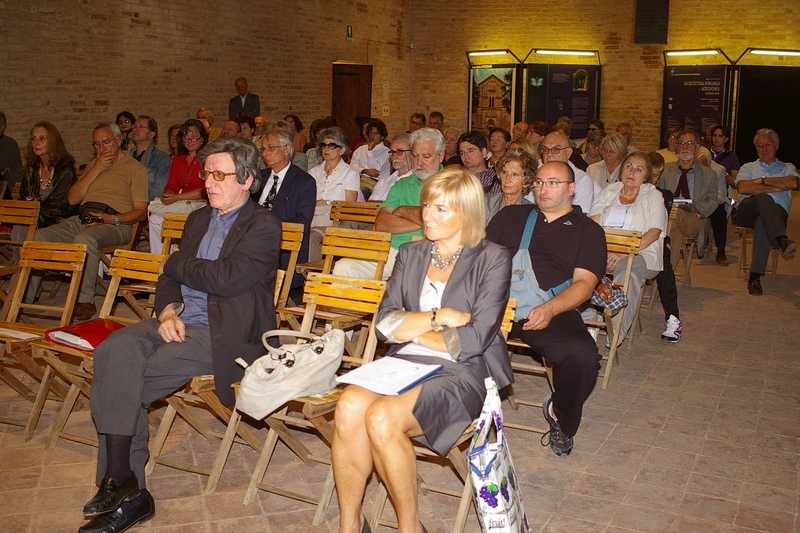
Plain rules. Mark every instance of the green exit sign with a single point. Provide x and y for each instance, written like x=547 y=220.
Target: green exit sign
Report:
x=349 y=31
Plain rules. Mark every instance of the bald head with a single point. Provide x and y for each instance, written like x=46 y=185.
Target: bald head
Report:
x=555 y=147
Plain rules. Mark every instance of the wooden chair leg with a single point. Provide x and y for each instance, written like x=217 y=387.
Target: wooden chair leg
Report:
x=324 y=498
x=263 y=461
x=38 y=404
x=63 y=415
x=378 y=507
x=463 y=507
x=224 y=451
x=161 y=437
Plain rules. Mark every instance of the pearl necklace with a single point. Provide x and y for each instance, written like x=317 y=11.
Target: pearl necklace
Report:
x=441 y=263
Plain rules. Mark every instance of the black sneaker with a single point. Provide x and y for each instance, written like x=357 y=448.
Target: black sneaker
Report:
x=559 y=443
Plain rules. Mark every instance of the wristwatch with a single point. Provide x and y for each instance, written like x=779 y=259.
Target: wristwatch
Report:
x=116 y=220
x=327 y=202
x=763 y=180
x=434 y=325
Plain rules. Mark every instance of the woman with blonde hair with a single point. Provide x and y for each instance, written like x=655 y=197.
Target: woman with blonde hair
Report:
x=444 y=303
x=614 y=149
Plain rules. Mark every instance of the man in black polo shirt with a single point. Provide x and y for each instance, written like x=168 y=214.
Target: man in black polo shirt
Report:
x=565 y=244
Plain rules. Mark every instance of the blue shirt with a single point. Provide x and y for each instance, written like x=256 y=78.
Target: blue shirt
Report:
x=777 y=169
x=195 y=303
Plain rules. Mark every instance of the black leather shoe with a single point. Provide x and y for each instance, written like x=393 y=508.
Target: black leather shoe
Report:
x=754 y=287
x=110 y=495
x=119 y=521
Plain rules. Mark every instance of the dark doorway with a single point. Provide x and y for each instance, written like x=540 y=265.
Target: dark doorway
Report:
x=351 y=96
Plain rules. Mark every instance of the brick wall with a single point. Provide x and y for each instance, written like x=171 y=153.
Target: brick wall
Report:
x=76 y=62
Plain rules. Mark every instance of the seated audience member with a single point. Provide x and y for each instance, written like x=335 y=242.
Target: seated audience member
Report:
x=665 y=280
x=286 y=190
x=564 y=125
x=400 y=213
x=336 y=180
x=230 y=128
x=719 y=218
x=47 y=177
x=125 y=122
x=416 y=122
x=184 y=191
x=361 y=122
x=696 y=187
x=537 y=131
x=498 y=143
x=299 y=158
x=524 y=145
x=371 y=160
x=299 y=140
x=313 y=155
x=765 y=196
x=634 y=204
x=555 y=147
x=595 y=125
x=244 y=103
x=472 y=149
x=154 y=159
x=566 y=245
x=214 y=298
x=720 y=151
x=10 y=160
x=591 y=148
x=402 y=164
x=206 y=116
x=247 y=127
x=114 y=190
x=444 y=305
x=626 y=130
x=613 y=149
x=670 y=153
x=172 y=134
x=516 y=171
x=436 y=120
x=451 y=157
x=520 y=130
x=260 y=129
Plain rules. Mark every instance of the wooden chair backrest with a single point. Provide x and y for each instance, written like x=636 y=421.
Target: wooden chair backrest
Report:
x=346 y=294
x=3 y=187
x=172 y=229
x=53 y=256
x=18 y=212
x=508 y=317
x=15 y=190
x=291 y=241
x=134 y=266
x=624 y=242
x=364 y=245
x=354 y=212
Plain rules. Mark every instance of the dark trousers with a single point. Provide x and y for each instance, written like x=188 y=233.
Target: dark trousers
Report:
x=667 y=288
x=768 y=221
x=568 y=348
x=719 y=225
x=133 y=368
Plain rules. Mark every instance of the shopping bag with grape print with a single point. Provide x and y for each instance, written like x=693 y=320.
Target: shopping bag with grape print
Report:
x=494 y=482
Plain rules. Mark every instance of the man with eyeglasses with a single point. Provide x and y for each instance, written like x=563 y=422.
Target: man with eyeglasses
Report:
x=113 y=195
x=565 y=245
x=400 y=213
x=473 y=150
x=695 y=191
x=416 y=122
x=555 y=147
x=286 y=190
x=765 y=197
x=154 y=159
x=214 y=298
x=402 y=164
x=299 y=158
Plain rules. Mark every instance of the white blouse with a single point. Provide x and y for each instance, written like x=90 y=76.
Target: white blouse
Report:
x=430 y=297
x=333 y=187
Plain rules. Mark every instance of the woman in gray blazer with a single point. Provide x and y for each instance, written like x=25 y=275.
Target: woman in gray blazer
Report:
x=443 y=305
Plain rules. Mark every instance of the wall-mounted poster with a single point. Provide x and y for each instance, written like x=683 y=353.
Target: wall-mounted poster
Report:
x=695 y=97
x=492 y=97
x=556 y=91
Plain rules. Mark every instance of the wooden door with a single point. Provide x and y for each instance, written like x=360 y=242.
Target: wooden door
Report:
x=352 y=96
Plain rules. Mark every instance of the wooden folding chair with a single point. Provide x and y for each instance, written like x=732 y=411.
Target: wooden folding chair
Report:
x=172 y=230
x=14 y=213
x=456 y=458
x=744 y=263
x=15 y=337
x=624 y=242
x=361 y=213
x=338 y=243
x=106 y=253
x=291 y=241
x=76 y=366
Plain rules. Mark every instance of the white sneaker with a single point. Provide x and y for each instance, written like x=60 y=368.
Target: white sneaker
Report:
x=672 y=330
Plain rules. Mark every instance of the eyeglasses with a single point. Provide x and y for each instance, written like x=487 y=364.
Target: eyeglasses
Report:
x=593 y=128
x=549 y=184
x=218 y=175
x=468 y=151
x=398 y=152
x=106 y=142
x=555 y=150
x=685 y=143
x=140 y=127
x=329 y=146
x=270 y=148
x=191 y=139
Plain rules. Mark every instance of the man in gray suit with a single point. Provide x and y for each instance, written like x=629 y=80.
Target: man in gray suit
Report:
x=214 y=298
x=695 y=190
x=244 y=103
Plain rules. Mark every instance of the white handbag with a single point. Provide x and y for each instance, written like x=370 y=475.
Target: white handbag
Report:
x=289 y=371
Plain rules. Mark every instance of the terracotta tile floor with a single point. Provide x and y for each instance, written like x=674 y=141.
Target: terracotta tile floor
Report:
x=701 y=436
